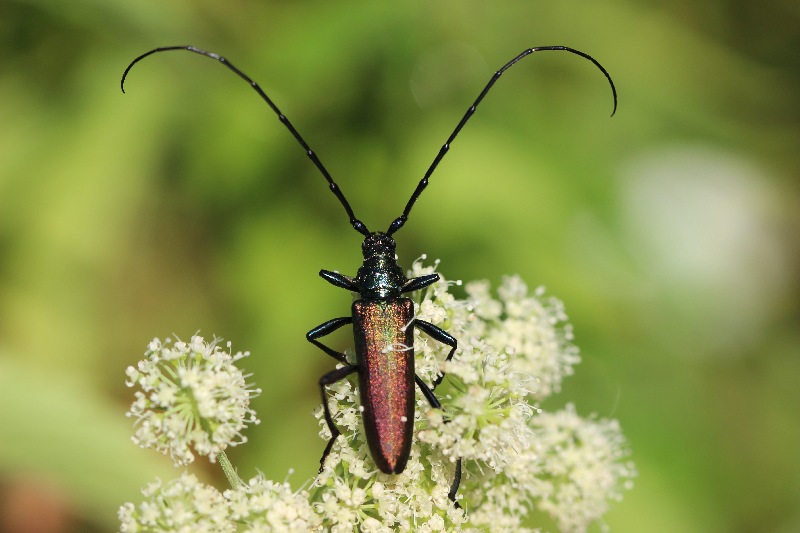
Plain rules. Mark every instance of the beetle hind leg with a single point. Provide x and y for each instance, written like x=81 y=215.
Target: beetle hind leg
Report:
x=456 y=483
x=431 y=397
x=329 y=379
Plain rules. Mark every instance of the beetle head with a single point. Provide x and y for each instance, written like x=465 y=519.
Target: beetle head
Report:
x=378 y=243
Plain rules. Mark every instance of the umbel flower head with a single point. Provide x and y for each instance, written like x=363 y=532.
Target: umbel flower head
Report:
x=186 y=504
x=514 y=349
x=192 y=398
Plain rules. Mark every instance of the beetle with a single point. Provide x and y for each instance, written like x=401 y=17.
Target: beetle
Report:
x=382 y=318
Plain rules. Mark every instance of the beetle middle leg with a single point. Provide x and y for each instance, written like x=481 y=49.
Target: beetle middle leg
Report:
x=442 y=336
x=327 y=328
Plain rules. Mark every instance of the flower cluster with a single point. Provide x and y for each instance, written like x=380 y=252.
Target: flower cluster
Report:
x=192 y=398
x=264 y=505
x=513 y=351
x=185 y=504
x=352 y=493
x=581 y=466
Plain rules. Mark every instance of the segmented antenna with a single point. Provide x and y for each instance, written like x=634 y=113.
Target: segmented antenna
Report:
x=334 y=187
x=356 y=223
x=399 y=221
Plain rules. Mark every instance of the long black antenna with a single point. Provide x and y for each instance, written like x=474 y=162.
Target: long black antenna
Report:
x=399 y=221
x=356 y=223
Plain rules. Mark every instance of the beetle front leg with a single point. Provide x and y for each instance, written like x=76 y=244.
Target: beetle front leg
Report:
x=327 y=328
x=442 y=336
x=329 y=379
x=415 y=284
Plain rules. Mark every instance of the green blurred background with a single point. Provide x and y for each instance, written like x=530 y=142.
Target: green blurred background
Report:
x=669 y=231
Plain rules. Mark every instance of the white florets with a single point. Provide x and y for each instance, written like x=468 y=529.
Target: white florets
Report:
x=582 y=459
x=185 y=504
x=513 y=351
x=192 y=399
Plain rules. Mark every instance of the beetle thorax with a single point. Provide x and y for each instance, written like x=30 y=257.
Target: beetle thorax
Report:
x=380 y=277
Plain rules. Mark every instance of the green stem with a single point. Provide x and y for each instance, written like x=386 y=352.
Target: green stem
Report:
x=230 y=472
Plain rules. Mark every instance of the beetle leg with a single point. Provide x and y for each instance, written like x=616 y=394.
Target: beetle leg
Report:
x=325 y=329
x=339 y=280
x=456 y=483
x=428 y=393
x=442 y=336
x=329 y=379
x=415 y=284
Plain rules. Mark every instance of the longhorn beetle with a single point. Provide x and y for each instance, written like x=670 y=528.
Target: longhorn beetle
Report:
x=382 y=318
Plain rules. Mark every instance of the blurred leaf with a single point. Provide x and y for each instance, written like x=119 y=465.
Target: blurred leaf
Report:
x=53 y=426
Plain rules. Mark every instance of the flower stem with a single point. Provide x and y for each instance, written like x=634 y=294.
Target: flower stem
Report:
x=230 y=472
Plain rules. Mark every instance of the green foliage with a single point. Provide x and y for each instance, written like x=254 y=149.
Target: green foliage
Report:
x=669 y=231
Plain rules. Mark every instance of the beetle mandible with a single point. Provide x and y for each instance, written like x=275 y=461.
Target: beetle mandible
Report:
x=382 y=319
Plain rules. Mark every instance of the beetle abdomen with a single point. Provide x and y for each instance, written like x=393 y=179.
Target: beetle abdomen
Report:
x=384 y=339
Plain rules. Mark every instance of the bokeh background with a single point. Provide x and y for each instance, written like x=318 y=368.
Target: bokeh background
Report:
x=669 y=231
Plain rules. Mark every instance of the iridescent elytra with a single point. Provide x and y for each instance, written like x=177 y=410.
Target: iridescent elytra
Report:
x=383 y=320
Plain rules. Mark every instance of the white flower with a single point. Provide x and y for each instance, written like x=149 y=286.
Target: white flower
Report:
x=408 y=501
x=265 y=505
x=582 y=458
x=192 y=398
x=183 y=504
x=513 y=351
x=532 y=329
x=486 y=414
